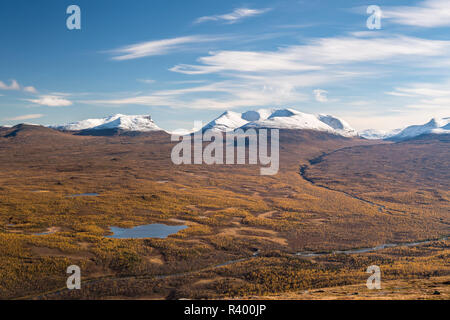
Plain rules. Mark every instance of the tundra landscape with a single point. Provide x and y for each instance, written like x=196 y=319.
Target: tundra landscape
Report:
x=247 y=235
x=224 y=153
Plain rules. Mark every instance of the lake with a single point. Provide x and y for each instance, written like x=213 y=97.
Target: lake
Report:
x=83 y=195
x=154 y=230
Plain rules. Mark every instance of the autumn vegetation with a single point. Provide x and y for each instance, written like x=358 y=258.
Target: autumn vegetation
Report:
x=357 y=194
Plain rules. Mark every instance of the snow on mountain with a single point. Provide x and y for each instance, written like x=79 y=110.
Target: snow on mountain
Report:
x=373 y=134
x=143 y=123
x=280 y=119
x=436 y=126
x=290 y=119
x=227 y=121
x=341 y=126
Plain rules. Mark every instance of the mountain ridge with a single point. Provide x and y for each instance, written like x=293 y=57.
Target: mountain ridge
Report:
x=286 y=118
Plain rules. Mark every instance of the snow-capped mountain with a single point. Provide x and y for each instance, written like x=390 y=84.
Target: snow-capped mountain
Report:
x=374 y=134
x=264 y=118
x=280 y=119
x=339 y=125
x=142 y=123
x=436 y=126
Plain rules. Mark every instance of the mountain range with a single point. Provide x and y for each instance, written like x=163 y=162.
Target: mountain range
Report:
x=262 y=118
x=280 y=119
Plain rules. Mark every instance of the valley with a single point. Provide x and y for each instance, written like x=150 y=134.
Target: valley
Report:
x=232 y=213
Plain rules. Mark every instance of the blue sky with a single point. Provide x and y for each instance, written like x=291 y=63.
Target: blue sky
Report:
x=182 y=61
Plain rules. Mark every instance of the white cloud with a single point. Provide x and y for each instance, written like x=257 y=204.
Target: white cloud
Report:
x=422 y=90
x=16 y=86
x=25 y=117
x=246 y=61
x=233 y=17
x=428 y=14
x=222 y=95
x=157 y=47
x=30 y=89
x=13 y=86
x=51 y=101
x=320 y=95
x=147 y=81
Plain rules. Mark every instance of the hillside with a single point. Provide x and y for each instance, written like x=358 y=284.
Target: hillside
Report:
x=402 y=176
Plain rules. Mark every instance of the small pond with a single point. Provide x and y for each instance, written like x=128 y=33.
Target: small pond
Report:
x=83 y=195
x=154 y=230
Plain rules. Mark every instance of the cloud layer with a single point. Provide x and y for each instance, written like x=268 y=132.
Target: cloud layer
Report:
x=288 y=75
x=157 y=47
x=233 y=17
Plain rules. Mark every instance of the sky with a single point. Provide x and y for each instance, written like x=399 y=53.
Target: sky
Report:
x=184 y=61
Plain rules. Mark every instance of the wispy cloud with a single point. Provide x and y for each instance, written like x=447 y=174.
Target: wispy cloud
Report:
x=157 y=47
x=320 y=95
x=317 y=54
x=13 y=86
x=428 y=14
x=426 y=96
x=233 y=17
x=30 y=89
x=51 y=101
x=146 y=81
x=423 y=90
x=25 y=117
x=287 y=76
x=246 y=91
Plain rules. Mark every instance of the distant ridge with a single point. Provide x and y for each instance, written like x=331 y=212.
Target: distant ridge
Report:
x=434 y=126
